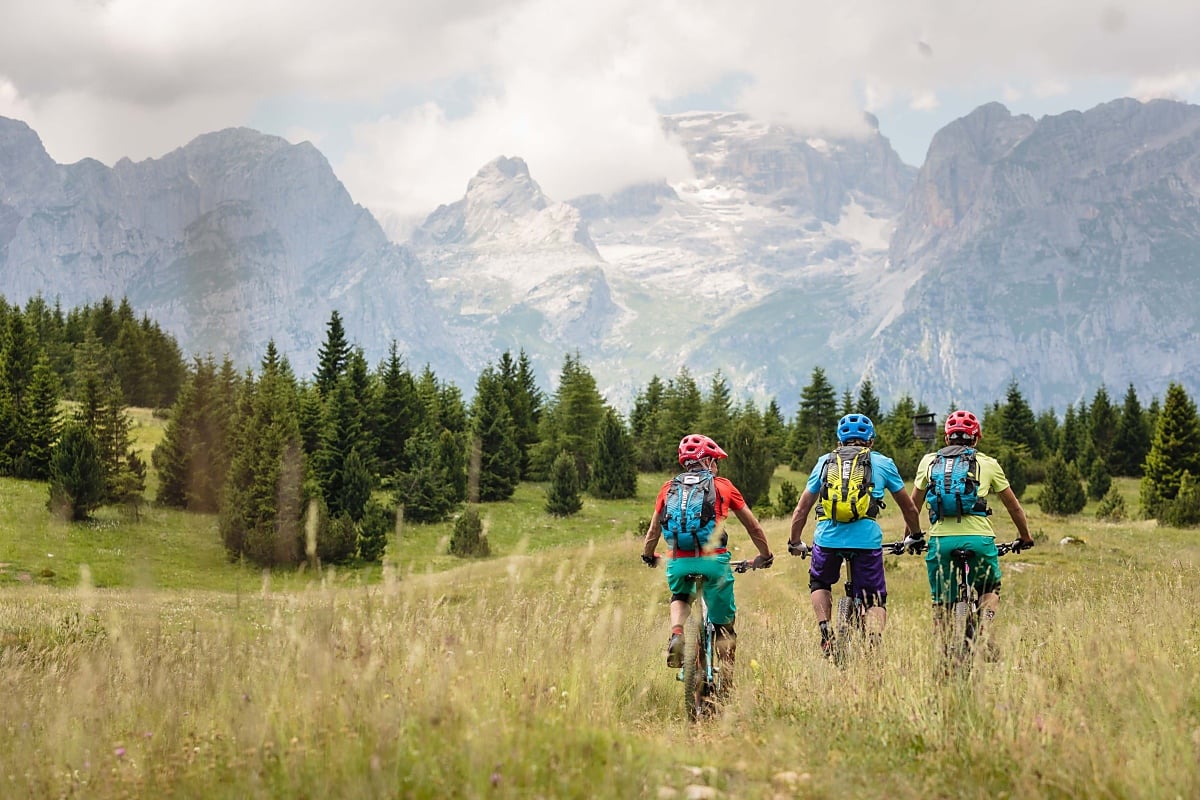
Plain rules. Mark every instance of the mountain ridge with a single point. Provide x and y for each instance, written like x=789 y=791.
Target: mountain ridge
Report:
x=1038 y=250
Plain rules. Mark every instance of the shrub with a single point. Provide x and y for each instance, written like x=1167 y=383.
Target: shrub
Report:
x=1183 y=510
x=1112 y=506
x=468 y=539
x=789 y=495
x=1098 y=479
x=562 y=500
x=1062 y=494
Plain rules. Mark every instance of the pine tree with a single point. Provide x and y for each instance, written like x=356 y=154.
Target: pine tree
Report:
x=1174 y=450
x=396 y=413
x=41 y=423
x=1112 y=506
x=1102 y=424
x=192 y=460
x=789 y=496
x=716 y=410
x=263 y=500
x=377 y=524
x=1098 y=479
x=813 y=429
x=615 y=475
x=499 y=467
x=333 y=355
x=468 y=539
x=422 y=490
x=572 y=420
x=868 y=402
x=1183 y=511
x=1131 y=441
x=1071 y=440
x=345 y=431
x=76 y=474
x=1062 y=493
x=1018 y=425
x=562 y=499
x=750 y=464
x=524 y=401
x=775 y=432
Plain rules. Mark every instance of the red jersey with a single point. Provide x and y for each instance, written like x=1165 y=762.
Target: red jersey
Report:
x=729 y=499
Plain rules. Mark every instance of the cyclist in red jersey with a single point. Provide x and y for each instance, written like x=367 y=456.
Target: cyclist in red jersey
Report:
x=699 y=454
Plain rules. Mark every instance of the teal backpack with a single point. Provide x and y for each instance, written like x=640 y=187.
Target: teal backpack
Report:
x=689 y=514
x=954 y=485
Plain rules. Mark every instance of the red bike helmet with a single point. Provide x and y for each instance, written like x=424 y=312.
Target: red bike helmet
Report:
x=696 y=446
x=963 y=423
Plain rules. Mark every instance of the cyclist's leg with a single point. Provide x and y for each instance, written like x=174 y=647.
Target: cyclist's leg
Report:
x=824 y=571
x=939 y=569
x=681 y=590
x=870 y=586
x=722 y=607
x=986 y=568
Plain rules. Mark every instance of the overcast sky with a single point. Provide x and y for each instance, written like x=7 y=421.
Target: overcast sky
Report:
x=408 y=99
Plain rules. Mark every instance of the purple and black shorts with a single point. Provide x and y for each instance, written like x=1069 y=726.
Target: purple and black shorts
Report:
x=864 y=572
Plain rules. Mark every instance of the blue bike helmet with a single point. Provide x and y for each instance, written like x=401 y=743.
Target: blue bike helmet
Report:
x=855 y=426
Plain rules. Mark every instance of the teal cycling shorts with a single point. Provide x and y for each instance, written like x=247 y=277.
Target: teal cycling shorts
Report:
x=983 y=563
x=718 y=583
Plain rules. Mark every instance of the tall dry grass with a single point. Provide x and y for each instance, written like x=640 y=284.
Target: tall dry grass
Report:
x=543 y=676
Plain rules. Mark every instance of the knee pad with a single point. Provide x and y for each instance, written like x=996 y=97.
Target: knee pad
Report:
x=817 y=585
x=726 y=633
x=876 y=601
x=685 y=598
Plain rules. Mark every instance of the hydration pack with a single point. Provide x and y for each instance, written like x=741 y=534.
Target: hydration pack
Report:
x=689 y=514
x=954 y=485
x=846 y=486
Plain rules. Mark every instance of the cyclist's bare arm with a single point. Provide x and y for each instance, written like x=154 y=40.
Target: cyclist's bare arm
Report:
x=912 y=518
x=653 y=533
x=1017 y=513
x=800 y=516
x=755 y=529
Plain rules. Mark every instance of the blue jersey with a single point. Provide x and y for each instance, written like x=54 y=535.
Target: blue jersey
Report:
x=863 y=534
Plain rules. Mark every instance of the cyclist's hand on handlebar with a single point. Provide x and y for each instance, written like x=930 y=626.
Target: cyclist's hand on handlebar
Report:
x=799 y=549
x=914 y=542
x=651 y=561
x=764 y=562
x=1022 y=544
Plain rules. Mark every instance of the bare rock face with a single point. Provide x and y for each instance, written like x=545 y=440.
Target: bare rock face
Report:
x=1060 y=253
x=229 y=242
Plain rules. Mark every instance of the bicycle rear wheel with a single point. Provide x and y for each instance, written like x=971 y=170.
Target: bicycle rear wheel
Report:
x=846 y=628
x=694 y=667
x=963 y=631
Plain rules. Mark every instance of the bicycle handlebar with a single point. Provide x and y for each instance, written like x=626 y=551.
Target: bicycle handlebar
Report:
x=1015 y=546
x=744 y=565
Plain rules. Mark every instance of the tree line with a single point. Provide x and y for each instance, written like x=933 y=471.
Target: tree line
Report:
x=316 y=467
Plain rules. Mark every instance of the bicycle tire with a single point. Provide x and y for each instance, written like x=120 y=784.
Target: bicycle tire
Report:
x=844 y=629
x=962 y=630
x=693 y=667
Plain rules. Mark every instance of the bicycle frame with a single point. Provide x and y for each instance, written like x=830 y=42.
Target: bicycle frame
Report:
x=703 y=684
x=964 y=614
x=850 y=622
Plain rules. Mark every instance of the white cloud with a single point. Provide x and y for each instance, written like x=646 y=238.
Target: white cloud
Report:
x=570 y=86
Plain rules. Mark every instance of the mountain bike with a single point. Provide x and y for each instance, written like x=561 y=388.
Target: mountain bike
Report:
x=704 y=685
x=965 y=616
x=850 y=620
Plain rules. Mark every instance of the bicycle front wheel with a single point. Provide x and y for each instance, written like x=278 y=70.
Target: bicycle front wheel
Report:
x=694 y=667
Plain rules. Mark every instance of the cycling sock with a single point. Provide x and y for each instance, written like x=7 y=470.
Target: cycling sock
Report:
x=825 y=632
x=676 y=630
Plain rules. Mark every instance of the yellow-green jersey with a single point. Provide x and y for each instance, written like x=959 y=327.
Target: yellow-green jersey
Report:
x=992 y=481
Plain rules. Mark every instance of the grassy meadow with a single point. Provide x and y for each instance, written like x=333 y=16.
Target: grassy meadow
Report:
x=138 y=662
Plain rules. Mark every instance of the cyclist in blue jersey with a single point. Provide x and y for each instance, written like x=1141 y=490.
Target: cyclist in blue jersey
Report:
x=858 y=541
